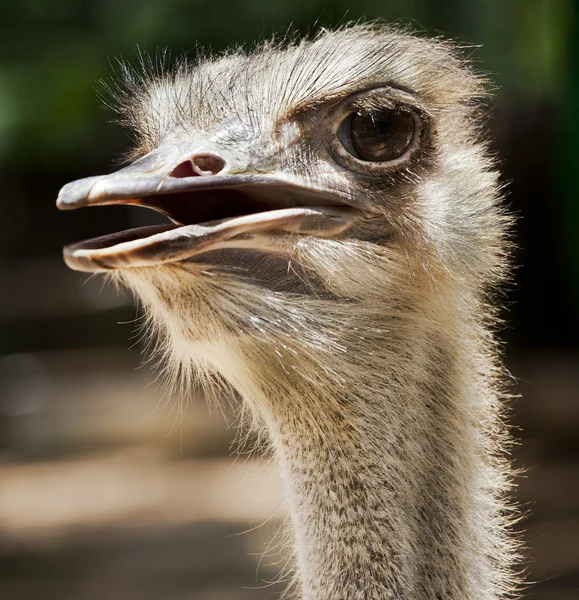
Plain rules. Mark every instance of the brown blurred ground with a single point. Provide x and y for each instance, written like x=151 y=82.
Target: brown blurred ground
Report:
x=104 y=494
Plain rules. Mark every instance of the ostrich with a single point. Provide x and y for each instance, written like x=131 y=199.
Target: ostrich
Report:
x=335 y=247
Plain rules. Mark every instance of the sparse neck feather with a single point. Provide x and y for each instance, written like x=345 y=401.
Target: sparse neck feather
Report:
x=390 y=463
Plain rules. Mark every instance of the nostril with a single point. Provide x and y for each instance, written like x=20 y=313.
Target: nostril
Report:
x=199 y=165
x=185 y=169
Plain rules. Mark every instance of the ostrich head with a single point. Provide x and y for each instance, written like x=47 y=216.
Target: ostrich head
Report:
x=298 y=180
x=335 y=232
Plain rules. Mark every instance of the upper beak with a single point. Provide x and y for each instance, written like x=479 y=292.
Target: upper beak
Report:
x=155 y=173
x=228 y=208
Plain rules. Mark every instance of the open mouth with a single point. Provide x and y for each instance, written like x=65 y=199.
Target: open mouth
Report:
x=208 y=213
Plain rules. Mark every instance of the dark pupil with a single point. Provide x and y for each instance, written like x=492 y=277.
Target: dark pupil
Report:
x=381 y=135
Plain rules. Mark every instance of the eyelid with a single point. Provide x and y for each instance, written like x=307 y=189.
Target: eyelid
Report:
x=382 y=97
x=369 y=104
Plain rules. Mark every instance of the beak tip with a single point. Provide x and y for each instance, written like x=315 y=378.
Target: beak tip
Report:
x=65 y=203
x=77 y=261
x=75 y=194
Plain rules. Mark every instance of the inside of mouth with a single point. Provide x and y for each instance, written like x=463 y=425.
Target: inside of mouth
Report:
x=189 y=208
x=204 y=206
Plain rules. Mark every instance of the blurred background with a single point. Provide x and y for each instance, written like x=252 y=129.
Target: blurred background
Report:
x=103 y=492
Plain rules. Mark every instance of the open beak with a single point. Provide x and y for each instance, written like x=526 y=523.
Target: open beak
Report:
x=209 y=211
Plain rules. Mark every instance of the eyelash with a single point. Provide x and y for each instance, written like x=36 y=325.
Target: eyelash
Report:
x=362 y=107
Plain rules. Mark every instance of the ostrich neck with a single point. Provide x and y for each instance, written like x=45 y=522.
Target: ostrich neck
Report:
x=392 y=488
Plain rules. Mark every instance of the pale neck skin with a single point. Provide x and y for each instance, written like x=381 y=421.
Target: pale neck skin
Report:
x=366 y=526
x=391 y=491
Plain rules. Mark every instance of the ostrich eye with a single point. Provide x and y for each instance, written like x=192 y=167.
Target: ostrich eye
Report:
x=378 y=136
